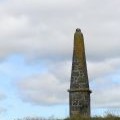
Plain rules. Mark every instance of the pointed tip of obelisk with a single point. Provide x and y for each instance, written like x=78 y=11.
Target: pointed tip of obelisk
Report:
x=78 y=30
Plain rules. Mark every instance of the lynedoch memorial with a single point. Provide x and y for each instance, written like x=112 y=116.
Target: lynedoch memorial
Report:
x=79 y=92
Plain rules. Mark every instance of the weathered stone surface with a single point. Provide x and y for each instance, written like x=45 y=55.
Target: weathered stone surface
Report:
x=79 y=93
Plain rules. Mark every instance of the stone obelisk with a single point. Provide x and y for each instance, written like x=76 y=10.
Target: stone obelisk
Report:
x=79 y=93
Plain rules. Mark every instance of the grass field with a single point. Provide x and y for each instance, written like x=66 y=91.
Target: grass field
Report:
x=107 y=117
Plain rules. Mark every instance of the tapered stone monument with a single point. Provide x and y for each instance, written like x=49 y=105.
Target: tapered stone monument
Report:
x=79 y=92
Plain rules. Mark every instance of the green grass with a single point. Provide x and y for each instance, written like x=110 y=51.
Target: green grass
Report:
x=107 y=117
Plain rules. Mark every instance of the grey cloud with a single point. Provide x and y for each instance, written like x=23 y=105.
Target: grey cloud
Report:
x=2 y=110
x=2 y=95
x=2 y=98
x=44 y=29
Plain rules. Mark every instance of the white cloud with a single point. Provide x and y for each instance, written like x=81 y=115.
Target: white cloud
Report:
x=44 y=30
x=107 y=94
x=43 y=90
x=50 y=88
x=46 y=88
x=103 y=68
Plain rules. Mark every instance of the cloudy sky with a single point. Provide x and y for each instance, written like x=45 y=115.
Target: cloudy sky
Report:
x=36 y=43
